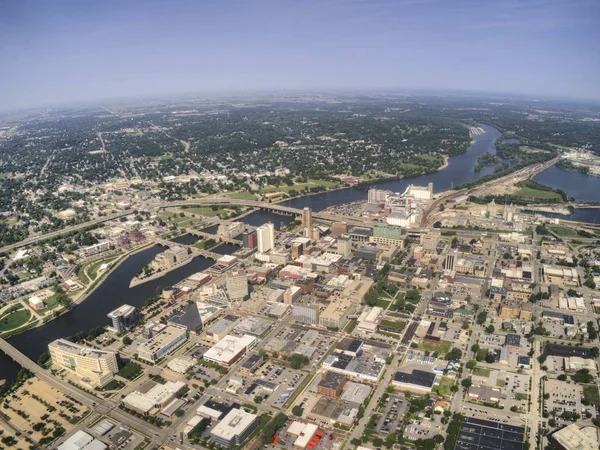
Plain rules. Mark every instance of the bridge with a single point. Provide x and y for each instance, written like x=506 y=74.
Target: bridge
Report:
x=97 y=405
x=274 y=207
x=216 y=237
x=194 y=250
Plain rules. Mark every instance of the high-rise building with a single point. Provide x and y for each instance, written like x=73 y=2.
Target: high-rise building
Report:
x=344 y=247
x=388 y=234
x=237 y=285
x=297 y=249
x=123 y=318
x=307 y=217
x=93 y=367
x=450 y=260
x=339 y=228
x=266 y=237
x=250 y=239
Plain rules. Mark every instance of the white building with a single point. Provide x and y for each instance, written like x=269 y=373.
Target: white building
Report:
x=234 y=428
x=237 y=285
x=162 y=340
x=229 y=349
x=266 y=237
x=370 y=318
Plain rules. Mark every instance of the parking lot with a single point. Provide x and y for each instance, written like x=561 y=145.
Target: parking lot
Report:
x=271 y=381
x=119 y=437
x=391 y=415
x=423 y=428
x=565 y=396
x=328 y=439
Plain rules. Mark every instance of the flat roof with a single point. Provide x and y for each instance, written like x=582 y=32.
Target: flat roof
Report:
x=233 y=424
x=229 y=347
x=416 y=377
x=479 y=434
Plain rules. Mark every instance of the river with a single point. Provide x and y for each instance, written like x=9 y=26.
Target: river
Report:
x=115 y=291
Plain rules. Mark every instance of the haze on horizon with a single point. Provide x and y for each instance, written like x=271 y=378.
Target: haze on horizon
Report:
x=70 y=51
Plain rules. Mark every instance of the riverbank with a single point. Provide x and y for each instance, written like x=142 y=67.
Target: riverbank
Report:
x=136 y=281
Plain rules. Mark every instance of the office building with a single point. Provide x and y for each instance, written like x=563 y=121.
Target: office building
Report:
x=388 y=235
x=237 y=285
x=331 y=384
x=162 y=339
x=297 y=249
x=152 y=396
x=416 y=381
x=123 y=318
x=266 y=237
x=307 y=217
x=450 y=260
x=82 y=441
x=234 y=428
x=306 y=314
x=93 y=367
x=231 y=229
x=339 y=228
x=572 y=437
x=250 y=239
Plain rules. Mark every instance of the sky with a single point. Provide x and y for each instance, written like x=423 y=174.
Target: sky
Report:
x=63 y=51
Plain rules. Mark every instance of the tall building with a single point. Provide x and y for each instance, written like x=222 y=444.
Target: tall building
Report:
x=377 y=196
x=306 y=314
x=388 y=235
x=234 y=428
x=339 y=228
x=450 y=260
x=344 y=247
x=93 y=367
x=307 y=217
x=250 y=239
x=266 y=237
x=237 y=285
x=123 y=318
x=297 y=249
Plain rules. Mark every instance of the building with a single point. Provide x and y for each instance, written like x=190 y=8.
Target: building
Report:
x=575 y=363
x=221 y=329
x=304 y=433
x=188 y=317
x=450 y=260
x=420 y=192
x=388 y=235
x=339 y=228
x=100 y=247
x=401 y=219
x=306 y=314
x=363 y=368
x=231 y=229
x=162 y=339
x=82 y=441
x=250 y=239
x=234 y=428
x=416 y=381
x=151 y=397
x=123 y=318
x=486 y=394
x=169 y=258
x=266 y=237
x=572 y=437
x=92 y=367
x=378 y=196
x=336 y=313
x=331 y=384
x=237 y=285
x=214 y=294
x=307 y=217
x=370 y=319
x=229 y=349
x=360 y=234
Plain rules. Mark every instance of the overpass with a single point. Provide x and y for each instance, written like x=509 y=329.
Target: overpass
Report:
x=98 y=405
x=81 y=226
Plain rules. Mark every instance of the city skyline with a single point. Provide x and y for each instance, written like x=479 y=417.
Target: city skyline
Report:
x=67 y=52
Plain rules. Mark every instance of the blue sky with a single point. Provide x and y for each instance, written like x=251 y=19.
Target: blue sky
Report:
x=65 y=51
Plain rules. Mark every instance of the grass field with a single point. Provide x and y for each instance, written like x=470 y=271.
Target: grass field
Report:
x=300 y=186
x=82 y=276
x=480 y=371
x=521 y=396
x=562 y=231
x=130 y=371
x=15 y=319
x=383 y=303
x=93 y=268
x=500 y=383
x=397 y=325
x=443 y=347
x=243 y=196
x=445 y=385
x=349 y=328
x=590 y=392
x=529 y=192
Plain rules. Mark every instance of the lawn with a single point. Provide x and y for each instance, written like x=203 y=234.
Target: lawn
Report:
x=300 y=186
x=521 y=396
x=393 y=325
x=443 y=347
x=130 y=371
x=562 y=231
x=500 y=383
x=82 y=276
x=480 y=371
x=350 y=326
x=590 y=392
x=445 y=385
x=15 y=319
x=382 y=303
x=93 y=268
x=529 y=192
x=242 y=195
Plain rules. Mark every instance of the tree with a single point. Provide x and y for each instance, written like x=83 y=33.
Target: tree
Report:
x=454 y=354
x=127 y=340
x=297 y=411
x=475 y=348
x=297 y=361
x=562 y=377
x=481 y=317
x=552 y=422
x=471 y=364
x=466 y=383
x=490 y=358
x=490 y=329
